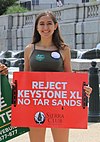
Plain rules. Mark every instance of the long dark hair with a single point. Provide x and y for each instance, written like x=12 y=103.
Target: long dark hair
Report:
x=56 y=38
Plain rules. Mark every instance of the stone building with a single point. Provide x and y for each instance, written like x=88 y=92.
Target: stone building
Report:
x=42 y=4
x=79 y=24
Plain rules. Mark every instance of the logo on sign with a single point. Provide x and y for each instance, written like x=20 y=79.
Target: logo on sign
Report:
x=39 y=118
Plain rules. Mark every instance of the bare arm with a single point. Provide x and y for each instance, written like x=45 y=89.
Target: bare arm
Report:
x=67 y=59
x=27 y=53
x=67 y=67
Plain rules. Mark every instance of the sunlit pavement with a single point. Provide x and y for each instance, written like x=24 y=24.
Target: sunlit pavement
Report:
x=92 y=134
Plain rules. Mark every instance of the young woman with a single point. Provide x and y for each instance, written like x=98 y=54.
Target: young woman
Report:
x=48 y=53
x=3 y=69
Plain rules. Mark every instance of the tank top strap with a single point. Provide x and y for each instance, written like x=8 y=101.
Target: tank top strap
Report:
x=34 y=47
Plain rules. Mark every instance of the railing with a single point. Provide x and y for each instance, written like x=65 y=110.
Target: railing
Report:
x=28 y=19
x=92 y=11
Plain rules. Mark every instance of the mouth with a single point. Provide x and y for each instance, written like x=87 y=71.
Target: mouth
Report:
x=45 y=32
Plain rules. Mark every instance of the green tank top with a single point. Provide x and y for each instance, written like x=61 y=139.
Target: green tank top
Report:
x=46 y=61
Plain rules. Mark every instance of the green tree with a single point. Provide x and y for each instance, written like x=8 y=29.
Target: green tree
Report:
x=15 y=9
x=4 y=4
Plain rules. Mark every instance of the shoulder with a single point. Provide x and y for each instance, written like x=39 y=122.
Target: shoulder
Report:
x=65 y=48
x=65 y=51
x=28 y=47
x=28 y=50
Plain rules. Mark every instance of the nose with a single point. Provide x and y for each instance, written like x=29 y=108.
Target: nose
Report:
x=45 y=26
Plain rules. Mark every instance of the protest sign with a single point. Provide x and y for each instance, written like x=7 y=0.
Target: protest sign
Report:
x=7 y=132
x=45 y=99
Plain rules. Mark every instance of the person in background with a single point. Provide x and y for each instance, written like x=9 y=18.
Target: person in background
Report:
x=3 y=69
x=59 y=3
x=48 y=53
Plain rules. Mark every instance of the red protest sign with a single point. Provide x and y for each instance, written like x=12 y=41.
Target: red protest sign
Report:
x=48 y=99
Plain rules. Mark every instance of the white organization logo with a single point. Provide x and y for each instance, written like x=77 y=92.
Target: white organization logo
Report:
x=39 y=118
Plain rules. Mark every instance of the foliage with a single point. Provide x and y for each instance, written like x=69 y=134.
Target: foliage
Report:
x=4 y=4
x=16 y=9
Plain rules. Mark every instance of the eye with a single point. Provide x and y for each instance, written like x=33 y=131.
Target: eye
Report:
x=41 y=23
x=49 y=23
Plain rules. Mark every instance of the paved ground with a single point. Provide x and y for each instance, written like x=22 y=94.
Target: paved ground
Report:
x=92 y=134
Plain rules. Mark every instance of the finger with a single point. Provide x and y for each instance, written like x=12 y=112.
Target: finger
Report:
x=88 y=89
x=1 y=71
x=2 y=66
x=88 y=95
x=4 y=71
x=12 y=84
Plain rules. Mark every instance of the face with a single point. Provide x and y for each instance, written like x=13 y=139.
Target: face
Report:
x=46 y=27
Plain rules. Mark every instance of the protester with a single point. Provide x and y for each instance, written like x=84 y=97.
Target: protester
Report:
x=48 y=53
x=59 y=3
x=3 y=69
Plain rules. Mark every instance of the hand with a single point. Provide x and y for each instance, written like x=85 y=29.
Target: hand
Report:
x=12 y=84
x=3 y=69
x=88 y=90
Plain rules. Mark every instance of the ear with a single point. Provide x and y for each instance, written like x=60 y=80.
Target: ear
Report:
x=56 y=25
